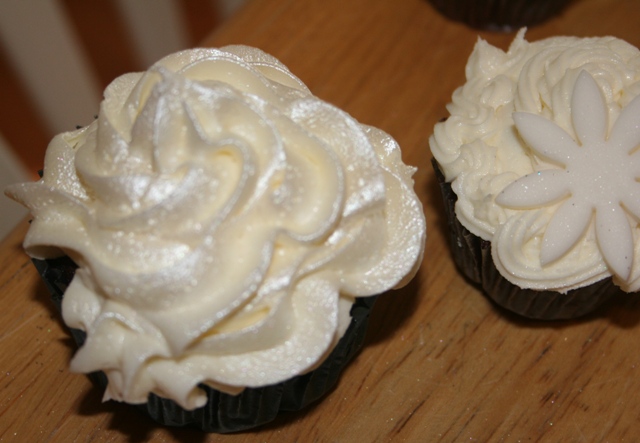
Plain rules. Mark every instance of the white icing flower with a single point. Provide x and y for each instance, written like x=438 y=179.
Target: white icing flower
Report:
x=596 y=175
x=481 y=152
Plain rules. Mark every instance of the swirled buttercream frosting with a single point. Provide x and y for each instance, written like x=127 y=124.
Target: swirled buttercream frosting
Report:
x=223 y=220
x=541 y=149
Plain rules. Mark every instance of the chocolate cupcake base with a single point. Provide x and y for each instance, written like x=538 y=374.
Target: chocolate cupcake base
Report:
x=499 y=15
x=472 y=256
x=224 y=413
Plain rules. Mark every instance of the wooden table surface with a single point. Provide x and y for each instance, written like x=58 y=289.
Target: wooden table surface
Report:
x=440 y=362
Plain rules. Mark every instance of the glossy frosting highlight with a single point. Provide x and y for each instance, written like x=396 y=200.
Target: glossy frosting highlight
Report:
x=483 y=151
x=223 y=220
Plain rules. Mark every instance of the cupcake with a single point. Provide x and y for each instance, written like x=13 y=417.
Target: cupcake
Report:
x=217 y=237
x=539 y=171
x=499 y=15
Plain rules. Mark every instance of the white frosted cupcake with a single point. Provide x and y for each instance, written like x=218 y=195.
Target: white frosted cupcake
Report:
x=224 y=223
x=539 y=169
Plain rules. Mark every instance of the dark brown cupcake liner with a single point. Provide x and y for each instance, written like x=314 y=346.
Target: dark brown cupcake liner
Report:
x=472 y=256
x=499 y=15
x=224 y=413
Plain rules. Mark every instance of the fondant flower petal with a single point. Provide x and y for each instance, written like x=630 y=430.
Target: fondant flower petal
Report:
x=625 y=134
x=546 y=138
x=537 y=189
x=615 y=239
x=632 y=201
x=588 y=110
x=564 y=230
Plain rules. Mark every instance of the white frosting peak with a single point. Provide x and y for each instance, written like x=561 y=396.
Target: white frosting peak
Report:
x=558 y=119
x=223 y=220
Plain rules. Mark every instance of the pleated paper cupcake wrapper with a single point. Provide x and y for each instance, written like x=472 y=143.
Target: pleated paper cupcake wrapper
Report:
x=472 y=256
x=253 y=407
x=499 y=15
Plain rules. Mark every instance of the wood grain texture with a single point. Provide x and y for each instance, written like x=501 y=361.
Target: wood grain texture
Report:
x=440 y=364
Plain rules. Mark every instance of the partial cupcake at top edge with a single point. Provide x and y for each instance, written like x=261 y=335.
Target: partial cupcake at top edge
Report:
x=539 y=168
x=500 y=15
x=229 y=230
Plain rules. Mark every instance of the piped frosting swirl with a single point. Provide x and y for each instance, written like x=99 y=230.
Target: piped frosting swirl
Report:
x=223 y=220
